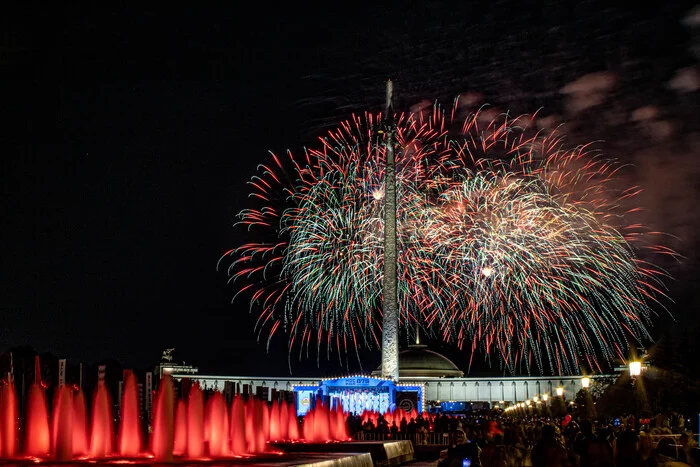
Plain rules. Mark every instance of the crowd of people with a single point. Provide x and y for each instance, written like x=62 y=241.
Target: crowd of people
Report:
x=540 y=442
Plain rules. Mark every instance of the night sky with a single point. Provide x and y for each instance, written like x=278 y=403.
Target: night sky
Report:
x=128 y=137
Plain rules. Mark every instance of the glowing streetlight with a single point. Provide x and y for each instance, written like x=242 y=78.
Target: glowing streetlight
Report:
x=536 y=399
x=545 y=397
x=560 y=391
x=635 y=368
x=586 y=382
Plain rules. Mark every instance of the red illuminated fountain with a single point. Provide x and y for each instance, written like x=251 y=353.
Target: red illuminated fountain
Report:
x=80 y=443
x=180 y=443
x=193 y=427
x=195 y=423
x=129 y=427
x=163 y=426
x=102 y=431
x=8 y=422
x=62 y=427
x=38 y=441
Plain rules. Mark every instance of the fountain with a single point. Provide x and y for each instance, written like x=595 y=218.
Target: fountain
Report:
x=193 y=427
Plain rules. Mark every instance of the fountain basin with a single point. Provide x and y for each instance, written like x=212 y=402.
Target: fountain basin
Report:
x=306 y=459
x=384 y=453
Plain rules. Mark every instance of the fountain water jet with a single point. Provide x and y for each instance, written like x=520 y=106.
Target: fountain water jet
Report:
x=217 y=417
x=163 y=432
x=180 y=443
x=238 y=425
x=275 y=422
x=265 y=421
x=284 y=420
x=258 y=424
x=80 y=444
x=293 y=425
x=102 y=429
x=321 y=422
x=8 y=422
x=195 y=423
x=38 y=440
x=62 y=438
x=307 y=428
x=129 y=427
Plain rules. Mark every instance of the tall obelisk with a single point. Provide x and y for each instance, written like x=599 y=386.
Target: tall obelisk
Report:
x=390 y=326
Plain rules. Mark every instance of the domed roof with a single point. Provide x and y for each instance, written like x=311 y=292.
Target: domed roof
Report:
x=418 y=361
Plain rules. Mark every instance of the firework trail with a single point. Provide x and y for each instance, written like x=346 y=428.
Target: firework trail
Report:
x=508 y=244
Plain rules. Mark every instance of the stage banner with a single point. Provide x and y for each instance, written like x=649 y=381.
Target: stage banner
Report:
x=149 y=396
x=228 y=391
x=61 y=372
x=262 y=392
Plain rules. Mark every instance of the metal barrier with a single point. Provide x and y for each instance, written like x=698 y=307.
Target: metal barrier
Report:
x=439 y=439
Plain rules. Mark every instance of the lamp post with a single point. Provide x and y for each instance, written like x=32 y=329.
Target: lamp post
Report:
x=588 y=402
x=635 y=372
x=558 y=403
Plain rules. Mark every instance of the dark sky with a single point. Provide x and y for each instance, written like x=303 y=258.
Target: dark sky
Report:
x=128 y=136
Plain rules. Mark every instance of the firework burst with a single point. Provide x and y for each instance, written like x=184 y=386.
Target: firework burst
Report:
x=508 y=244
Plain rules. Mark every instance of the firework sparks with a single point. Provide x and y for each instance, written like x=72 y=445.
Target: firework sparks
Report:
x=508 y=244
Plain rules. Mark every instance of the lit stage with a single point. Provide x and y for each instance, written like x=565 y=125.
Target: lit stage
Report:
x=359 y=393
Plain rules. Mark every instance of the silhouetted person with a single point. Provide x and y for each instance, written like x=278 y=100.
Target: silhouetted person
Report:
x=394 y=430
x=549 y=450
x=628 y=449
x=461 y=449
x=594 y=452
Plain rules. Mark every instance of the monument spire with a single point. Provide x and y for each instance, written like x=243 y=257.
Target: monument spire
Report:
x=390 y=326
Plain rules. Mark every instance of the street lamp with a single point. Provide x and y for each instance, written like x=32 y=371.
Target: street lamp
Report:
x=585 y=382
x=635 y=368
x=560 y=391
x=545 y=397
